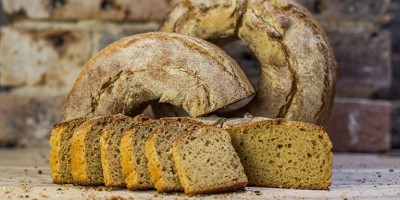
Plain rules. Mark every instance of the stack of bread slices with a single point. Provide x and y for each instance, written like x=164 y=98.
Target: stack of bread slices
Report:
x=194 y=155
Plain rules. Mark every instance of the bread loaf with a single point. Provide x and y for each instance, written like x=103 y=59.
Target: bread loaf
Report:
x=280 y=153
x=206 y=162
x=157 y=67
x=298 y=67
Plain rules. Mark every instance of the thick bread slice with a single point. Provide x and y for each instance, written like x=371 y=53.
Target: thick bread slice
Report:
x=60 y=142
x=165 y=67
x=85 y=150
x=206 y=162
x=132 y=148
x=109 y=148
x=158 y=151
x=279 y=153
x=298 y=66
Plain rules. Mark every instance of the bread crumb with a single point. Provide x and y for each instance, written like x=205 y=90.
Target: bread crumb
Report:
x=116 y=198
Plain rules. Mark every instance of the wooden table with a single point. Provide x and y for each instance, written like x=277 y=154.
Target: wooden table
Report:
x=25 y=174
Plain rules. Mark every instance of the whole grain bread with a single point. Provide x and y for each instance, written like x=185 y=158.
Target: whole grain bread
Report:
x=109 y=149
x=158 y=151
x=298 y=66
x=133 y=160
x=280 y=153
x=60 y=143
x=157 y=67
x=85 y=156
x=206 y=162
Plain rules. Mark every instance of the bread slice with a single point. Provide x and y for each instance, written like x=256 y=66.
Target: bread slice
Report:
x=109 y=149
x=132 y=148
x=206 y=162
x=85 y=150
x=279 y=153
x=60 y=142
x=158 y=151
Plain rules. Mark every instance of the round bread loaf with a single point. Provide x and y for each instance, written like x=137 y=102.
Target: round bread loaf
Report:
x=298 y=66
x=167 y=67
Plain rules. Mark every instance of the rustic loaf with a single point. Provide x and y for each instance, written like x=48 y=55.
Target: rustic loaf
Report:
x=166 y=67
x=60 y=143
x=298 y=66
x=280 y=153
x=206 y=162
x=109 y=149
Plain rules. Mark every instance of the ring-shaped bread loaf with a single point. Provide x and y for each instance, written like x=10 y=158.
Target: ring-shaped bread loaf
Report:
x=171 y=68
x=297 y=64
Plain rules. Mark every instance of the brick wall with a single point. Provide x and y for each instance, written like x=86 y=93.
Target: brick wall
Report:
x=45 y=43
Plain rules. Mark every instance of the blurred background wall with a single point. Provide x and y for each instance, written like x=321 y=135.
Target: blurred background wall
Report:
x=45 y=43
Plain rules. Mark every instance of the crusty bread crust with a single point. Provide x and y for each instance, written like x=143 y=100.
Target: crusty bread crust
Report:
x=298 y=66
x=153 y=162
x=170 y=68
x=55 y=140
x=78 y=163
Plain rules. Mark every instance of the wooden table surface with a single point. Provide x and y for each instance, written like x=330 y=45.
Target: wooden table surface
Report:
x=25 y=174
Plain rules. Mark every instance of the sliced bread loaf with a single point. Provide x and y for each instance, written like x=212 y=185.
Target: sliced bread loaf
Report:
x=279 y=153
x=132 y=148
x=60 y=142
x=206 y=162
x=158 y=151
x=85 y=150
x=109 y=148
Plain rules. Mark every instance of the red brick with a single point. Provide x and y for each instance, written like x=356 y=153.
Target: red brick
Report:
x=111 y=32
x=395 y=140
x=368 y=10
x=360 y=125
x=363 y=59
x=42 y=57
x=121 y=10
x=28 y=119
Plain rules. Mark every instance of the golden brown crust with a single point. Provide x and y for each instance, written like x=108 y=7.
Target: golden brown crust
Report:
x=135 y=71
x=298 y=67
x=237 y=185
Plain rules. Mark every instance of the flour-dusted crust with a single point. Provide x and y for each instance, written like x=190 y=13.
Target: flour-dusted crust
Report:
x=298 y=66
x=170 y=68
